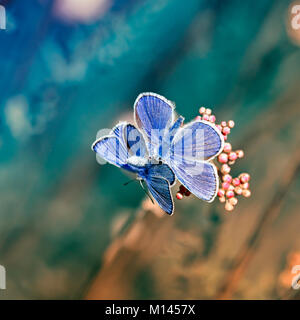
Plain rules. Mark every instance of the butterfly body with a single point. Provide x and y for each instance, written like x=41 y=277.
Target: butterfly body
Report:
x=137 y=165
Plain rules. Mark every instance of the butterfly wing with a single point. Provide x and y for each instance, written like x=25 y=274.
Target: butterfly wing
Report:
x=118 y=130
x=135 y=141
x=160 y=190
x=111 y=149
x=192 y=145
x=164 y=150
x=197 y=140
x=162 y=171
x=175 y=127
x=199 y=177
x=154 y=114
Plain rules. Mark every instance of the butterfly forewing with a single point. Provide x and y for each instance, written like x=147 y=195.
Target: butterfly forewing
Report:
x=197 y=140
x=154 y=115
x=135 y=141
x=111 y=149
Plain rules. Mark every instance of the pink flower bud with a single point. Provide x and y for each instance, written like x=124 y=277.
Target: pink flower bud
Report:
x=225 y=169
x=240 y=153
x=227 y=178
x=225 y=185
x=202 y=110
x=223 y=158
x=221 y=193
x=226 y=130
x=232 y=156
x=244 y=177
x=230 y=123
x=230 y=194
x=236 y=182
x=212 y=119
x=227 y=147
x=179 y=195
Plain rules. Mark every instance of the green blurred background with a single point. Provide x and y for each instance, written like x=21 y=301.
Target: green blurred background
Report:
x=68 y=227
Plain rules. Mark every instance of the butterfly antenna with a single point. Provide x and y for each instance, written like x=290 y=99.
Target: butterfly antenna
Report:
x=147 y=193
x=126 y=183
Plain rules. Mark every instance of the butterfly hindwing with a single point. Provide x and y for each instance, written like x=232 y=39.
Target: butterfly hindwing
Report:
x=160 y=190
x=163 y=171
x=199 y=177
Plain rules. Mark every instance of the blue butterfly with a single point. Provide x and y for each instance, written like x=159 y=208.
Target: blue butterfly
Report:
x=164 y=149
x=125 y=147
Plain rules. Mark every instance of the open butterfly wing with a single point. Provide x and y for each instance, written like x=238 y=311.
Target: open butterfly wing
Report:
x=135 y=141
x=199 y=177
x=192 y=145
x=111 y=149
x=126 y=141
x=118 y=130
x=154 y=114
x=168 y=137
x=198 y=140
x=175 y=127
x=160 y=190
